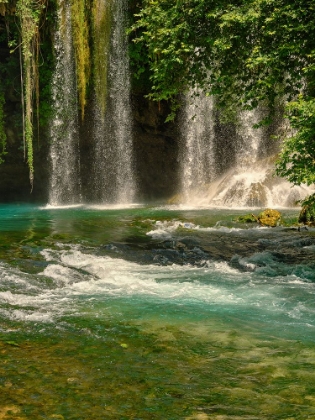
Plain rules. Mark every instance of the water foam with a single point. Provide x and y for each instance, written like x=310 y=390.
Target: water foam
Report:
x=74 y=276
x=166 y=229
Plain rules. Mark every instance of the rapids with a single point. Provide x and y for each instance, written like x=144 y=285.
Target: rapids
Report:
x=154 y=312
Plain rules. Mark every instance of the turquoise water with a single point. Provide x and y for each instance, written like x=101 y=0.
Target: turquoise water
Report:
x=154 y=313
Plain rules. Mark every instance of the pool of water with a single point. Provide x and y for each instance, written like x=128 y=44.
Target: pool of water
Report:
x=154 y=313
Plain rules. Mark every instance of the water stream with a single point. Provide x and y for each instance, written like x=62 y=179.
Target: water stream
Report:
x=65 y=185
x=198 y=163
x=112 y=142
x=154 y=312
x=110 y=172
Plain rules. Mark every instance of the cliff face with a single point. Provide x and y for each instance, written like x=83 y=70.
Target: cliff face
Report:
x=156 y=145
x=14 y=177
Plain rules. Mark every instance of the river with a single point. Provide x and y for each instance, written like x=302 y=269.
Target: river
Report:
x=154 y=313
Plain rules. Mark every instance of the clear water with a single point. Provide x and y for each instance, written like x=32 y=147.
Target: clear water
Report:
x=154 y=313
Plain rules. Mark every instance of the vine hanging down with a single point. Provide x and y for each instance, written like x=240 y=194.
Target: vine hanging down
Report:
x=29 y=13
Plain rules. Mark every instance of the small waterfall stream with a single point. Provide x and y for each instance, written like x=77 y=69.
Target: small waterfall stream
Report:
x=113 y=171
x=65 y=188
x=198 y=157
x=247 y=178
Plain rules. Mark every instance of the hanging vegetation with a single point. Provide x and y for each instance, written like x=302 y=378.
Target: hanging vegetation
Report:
x=29 y=12
x=80 y=27
x=101 y=38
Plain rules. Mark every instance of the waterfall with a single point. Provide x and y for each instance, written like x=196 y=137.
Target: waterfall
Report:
x=65 y=185
x=230 y=167
x=197 y=161
x=108 y=175
x=113 y=180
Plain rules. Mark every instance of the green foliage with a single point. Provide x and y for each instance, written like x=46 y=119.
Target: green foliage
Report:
x=46 y=66
x=29 y=12
x=297 y=158
x=307 y=214
x=247 y=52
x=101 y=39
x=80 y=29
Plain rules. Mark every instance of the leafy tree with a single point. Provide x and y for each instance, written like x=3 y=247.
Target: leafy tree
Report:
x=297 y=158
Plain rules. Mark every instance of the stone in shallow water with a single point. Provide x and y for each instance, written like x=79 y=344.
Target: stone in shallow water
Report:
x=269 y=217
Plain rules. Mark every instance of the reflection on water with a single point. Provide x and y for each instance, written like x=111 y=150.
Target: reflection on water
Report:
x=154 y=313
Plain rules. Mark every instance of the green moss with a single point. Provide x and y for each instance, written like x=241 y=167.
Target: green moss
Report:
x=101 y=39
x=29 y=13
x=269 y=217
x=247 y=218
x=81 y=31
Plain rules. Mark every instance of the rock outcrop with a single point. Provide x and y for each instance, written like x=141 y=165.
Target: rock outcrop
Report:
x=269 y=217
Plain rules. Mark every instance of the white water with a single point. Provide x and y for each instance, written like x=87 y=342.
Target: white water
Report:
x=65 y=188
x=113 y=153
x=76 y=280
x=241 y=188
x=250 y=139
x=250 y=182
x=198 y=164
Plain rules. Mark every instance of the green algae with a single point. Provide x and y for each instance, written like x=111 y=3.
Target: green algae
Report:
x=82 y=371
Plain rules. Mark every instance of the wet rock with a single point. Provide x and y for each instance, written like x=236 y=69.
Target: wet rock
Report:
x=116 y=247
x=269 y=217
x=307 y=215
x=156 y=147
x=257 y=195
x=247 y=218
x=190 y=242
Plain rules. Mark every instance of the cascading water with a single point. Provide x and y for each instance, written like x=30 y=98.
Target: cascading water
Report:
x=198 y=160
x=246 y=179
x=113 y=172
x=65 y=188
x=206 y=318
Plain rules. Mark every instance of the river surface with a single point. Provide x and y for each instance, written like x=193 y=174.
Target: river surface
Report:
x=154 y=313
